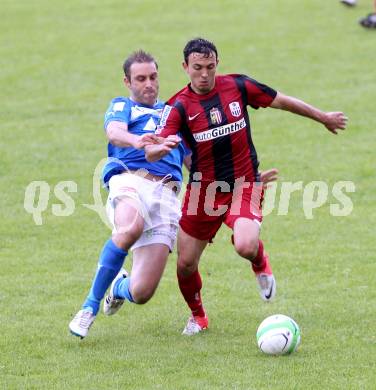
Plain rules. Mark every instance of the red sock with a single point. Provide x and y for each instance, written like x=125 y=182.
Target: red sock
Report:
x=259 y=262
x=190 y=287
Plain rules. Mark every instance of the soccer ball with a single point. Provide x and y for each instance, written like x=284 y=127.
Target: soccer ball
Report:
x=278 y=335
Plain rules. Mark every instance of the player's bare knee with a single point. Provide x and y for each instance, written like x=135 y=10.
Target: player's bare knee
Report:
x=142 y=294
x=186 y=266
x=124 y=237
x=129 y=232
x=141 y=300
x=247 y=250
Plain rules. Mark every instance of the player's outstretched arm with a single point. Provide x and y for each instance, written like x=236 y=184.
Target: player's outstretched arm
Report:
x=118 y=135
x=333 y=121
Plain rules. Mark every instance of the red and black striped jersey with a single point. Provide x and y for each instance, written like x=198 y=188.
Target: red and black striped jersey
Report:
x=216 y=126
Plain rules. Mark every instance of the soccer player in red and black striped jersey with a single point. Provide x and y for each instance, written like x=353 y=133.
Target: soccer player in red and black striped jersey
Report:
x=211 y=114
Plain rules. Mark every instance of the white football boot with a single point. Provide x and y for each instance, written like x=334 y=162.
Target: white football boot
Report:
x=81 y=323
x=266 y=281
x=196 y=325
x=111 y=304
x=267 y=286
x=350 y=3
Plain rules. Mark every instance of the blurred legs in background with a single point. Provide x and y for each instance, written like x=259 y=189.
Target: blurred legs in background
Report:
x=368 y=21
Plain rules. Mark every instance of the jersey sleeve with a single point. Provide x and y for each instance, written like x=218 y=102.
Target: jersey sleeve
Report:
x=118 y=110
x=186 y=150
x=258 y=95
x=170 y=122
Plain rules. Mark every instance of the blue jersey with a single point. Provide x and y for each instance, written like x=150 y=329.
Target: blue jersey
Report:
x=140 y=119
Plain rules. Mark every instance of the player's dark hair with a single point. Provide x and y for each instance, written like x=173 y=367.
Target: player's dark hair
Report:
x=199 y=45
x=139 y=56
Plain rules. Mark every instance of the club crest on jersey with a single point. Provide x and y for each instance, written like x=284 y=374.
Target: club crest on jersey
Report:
x=215 y=116
x=235 y=109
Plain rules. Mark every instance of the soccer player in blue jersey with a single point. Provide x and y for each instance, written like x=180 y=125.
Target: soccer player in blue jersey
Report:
x=142 y=203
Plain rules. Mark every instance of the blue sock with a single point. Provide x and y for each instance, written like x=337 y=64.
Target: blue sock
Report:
x=110 y=262
x=121 y=289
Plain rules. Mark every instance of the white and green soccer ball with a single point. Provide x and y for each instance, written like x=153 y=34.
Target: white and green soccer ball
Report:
x=278 y=335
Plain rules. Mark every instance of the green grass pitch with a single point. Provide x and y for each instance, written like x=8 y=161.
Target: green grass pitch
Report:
x=60 y=66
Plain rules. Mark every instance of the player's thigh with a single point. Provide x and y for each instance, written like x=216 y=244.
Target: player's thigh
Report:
x=189 y=250
x=127 y=216
x=149 y=263
x=124 y=206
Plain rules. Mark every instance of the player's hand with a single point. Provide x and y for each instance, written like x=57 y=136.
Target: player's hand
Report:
x=268 y=176
x=146 y=139
x=155 y=152
x=169 y=143
x=172 y=140
x=335 y=121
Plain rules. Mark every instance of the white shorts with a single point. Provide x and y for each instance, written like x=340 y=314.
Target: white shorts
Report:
x=158 y=205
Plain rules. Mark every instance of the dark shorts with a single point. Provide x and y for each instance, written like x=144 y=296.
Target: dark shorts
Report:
x=206 y=207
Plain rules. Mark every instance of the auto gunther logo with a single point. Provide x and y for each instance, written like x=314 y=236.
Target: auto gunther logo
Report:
x=221 y=131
